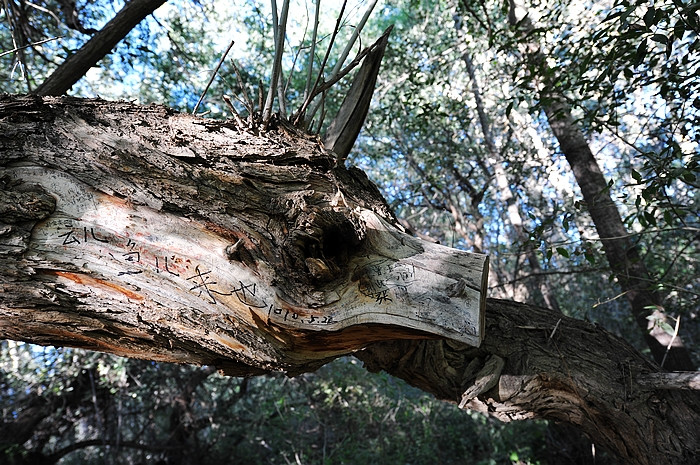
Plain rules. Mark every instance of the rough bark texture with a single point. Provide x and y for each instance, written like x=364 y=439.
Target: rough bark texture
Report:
x=557 y=368
x=96 y=196
x=235 y=248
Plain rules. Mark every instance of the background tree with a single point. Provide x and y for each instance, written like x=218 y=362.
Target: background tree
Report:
x=529 y=153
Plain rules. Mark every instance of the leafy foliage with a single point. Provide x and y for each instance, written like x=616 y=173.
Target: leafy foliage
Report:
x=131 y=411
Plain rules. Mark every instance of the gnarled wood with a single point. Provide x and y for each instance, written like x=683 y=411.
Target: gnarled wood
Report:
x=237 y=250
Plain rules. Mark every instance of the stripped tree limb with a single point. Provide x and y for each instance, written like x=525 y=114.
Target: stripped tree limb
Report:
x=346 y=125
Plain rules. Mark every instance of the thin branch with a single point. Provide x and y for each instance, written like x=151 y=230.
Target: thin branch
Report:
x=30 y=45
x=277 y=64
x=466 y=5
x=275 y=36
x=260 y=95
x=677 y=380
x=99 y=442
x=307 y=101
x=347 y=49
x=250 y=106
x=353 y=38
x=211 y=79
x=331 y=82
x=310 y=66
x=16 y=41
x=236 y=117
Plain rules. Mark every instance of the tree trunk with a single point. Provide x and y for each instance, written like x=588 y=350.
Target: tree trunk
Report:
x=148 y=234
x=622 y=255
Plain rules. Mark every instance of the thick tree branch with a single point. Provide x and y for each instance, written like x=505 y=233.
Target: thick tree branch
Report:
x=78 y=64
x=561 y=369
x=247 y=253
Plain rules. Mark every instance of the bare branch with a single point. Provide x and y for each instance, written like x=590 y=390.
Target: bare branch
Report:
x=277 y=64
x=75 y=66
x=300 y=114
x=30 y=45
x=211 y=79
x=346 y=51
x=250 y=106
x=310 y=65
x=331 y=82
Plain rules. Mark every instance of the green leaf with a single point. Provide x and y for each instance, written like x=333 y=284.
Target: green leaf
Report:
x=641 y=52
x=660 y=38
x=650 y=218
x=509 y=108
x=563 y=252
x=679 y=29
x=636 y=176
x=668 y=218
x=649 y=16
x=667 y=328
x=626 y=14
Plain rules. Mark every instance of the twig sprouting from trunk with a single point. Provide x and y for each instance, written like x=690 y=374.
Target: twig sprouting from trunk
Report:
x=211 y=79
x=277 y=64
x=275 y=35
x=310 y=66
x=283 y=88
x=307 y=101
x=346 y=51
x=248 y=103
x=356 y=61
x=260 y=95
x=234 y=113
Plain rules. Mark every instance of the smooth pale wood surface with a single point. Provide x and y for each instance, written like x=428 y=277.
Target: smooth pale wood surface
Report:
x=137 y=254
